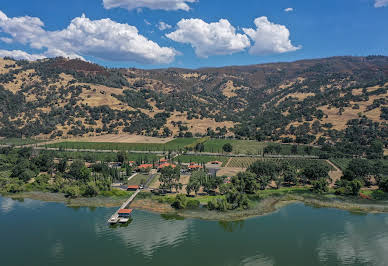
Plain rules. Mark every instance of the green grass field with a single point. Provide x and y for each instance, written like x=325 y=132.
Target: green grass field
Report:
x=176 y=144
x=103 y=156
x=137 y=180
x=239 y=146
x=18 y=141
x=245 y=162
x=200 y=159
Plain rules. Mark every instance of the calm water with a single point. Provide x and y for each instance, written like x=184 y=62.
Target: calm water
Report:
x=38 y=233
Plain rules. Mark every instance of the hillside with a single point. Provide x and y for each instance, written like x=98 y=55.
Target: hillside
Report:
x=299 y=101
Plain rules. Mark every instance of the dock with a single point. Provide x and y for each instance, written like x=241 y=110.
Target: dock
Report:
x=115 y=217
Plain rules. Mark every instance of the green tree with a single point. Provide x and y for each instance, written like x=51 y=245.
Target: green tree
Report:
x=316 y=171
x=320 y=186
x=169 y=177
x=227 y=147
x=180 y=202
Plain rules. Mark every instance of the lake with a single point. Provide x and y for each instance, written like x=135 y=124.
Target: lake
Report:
x=39 y=233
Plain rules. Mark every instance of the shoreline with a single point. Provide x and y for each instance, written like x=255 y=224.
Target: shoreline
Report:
x=265 y=206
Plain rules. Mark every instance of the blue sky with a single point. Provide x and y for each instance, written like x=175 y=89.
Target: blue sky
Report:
x=194 y=36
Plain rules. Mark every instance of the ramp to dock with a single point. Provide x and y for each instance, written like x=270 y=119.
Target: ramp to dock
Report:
x=115 y=216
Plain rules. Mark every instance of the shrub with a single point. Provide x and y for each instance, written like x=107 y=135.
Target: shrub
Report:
x=193 y=204
x=180 y=202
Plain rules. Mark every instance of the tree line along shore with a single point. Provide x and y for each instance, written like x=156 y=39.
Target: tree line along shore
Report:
x=178 y=184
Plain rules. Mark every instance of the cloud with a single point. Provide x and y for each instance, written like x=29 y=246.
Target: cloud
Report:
x=164 y=26
x=151 y=4
x=104 y=39
x=218 y=38
x=19 y=55
x=381 y=3
x=289 y=9
x=269 y=38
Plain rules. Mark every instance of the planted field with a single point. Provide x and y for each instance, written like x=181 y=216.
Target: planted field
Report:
x=18 y=142
x=239 y=146
x=245 y=162
x=102 y=156
x=200 y=159
x=176 y=144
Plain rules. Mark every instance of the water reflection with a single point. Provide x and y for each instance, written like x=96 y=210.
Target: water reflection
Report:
x=147 y=233
x=172 y=216
x=257 y=260
x=8 y=204
x=360 y=243
x=231 y=226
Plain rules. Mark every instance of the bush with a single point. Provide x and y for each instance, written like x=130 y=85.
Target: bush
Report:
x=320 y=186
x=193 y=204
x=227 y=147
x=180 y=202
x=71 y=191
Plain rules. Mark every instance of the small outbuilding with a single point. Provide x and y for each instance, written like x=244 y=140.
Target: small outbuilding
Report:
x=132 y=188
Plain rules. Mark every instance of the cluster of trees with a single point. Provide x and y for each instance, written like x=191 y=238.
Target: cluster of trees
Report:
x=260 y=175
x=200 y=179
x=359 y=173
x=30 y=171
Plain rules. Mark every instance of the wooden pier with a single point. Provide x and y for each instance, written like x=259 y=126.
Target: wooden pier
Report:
x=115 y=217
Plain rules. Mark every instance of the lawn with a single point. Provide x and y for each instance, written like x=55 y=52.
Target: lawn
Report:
x=176 y=144
x=137 y=180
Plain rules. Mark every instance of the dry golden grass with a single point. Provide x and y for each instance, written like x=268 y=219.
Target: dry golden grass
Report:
x=228 y=89
x=195 y=125
x=230 y=171
x=3 y=63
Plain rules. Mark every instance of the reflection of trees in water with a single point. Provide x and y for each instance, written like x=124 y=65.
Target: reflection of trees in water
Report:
x=360 y=243
x=148 y=232
x=231 y=226
x=172 y=216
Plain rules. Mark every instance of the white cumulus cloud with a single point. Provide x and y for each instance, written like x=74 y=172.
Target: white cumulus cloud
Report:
x=381 y=3
x=151 y=4
x=269 y=38
x=104 y=39
x=289 y=9
x=164 y=26
x=218 y=38
x=19 y=55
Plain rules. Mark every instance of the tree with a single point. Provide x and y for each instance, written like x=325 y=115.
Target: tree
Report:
x=320 y=186
x=383 y=184
x=180 y=202
x=227 y=147
x=169 y=177
x=62 y=165
x=71 y=191
x=294 y=149
x=199 y=147
x=290 y=176
x=79 y=171
x=316 y=171
x=121 y=156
